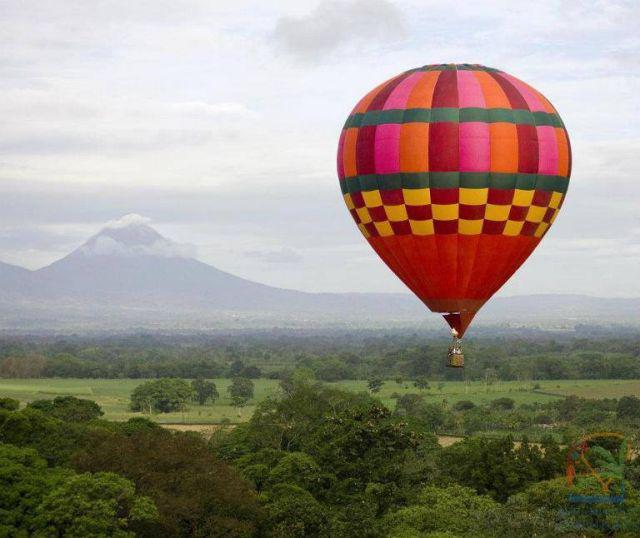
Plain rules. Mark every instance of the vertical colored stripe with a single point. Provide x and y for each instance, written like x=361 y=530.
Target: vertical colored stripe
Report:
x=527 y=134
x=548 y=150
x=516 y=100
x=504 y=147
x=444 y=154
x=414 y=147
x=387 y=149
x=533 y=101
x=475 y=155
x=366 y=144
x=445 y=94
x=399 y=96
x=365 y=150
x=349 y=152
x=563 y=151
x=527 y=149
x=469 y=91
x=422 y=94
x=381 y=97
x=494 y=96
x=443 y=147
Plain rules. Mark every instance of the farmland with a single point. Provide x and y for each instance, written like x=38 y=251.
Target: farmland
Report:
x=113 y=394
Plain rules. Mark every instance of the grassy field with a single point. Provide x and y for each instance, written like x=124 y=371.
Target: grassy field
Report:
x=113 y=394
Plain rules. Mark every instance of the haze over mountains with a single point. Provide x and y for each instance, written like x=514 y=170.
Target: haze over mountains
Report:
x=128 y=275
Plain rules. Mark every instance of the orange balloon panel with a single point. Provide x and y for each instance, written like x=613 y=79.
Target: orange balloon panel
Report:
x=454 y=173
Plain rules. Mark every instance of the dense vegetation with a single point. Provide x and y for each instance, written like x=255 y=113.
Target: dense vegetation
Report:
x=331 y=357
x=312 y=461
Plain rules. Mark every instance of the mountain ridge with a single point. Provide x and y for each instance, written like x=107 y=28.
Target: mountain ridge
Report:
x=129 y=273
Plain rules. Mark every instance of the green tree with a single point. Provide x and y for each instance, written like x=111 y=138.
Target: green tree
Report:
x=103 y=504
x=628 y=407
x=294 y=513
x=204 y=390
x=9 y=404
x=39 y=501
x=332 y=369
x=296 y=468
x=54 y=439
x=463 y=405
x=375 y=384
x=164 y=395
x=196 y=493
x=454 y=509
x=241 y=391
x=69 y=408
x=421 y=383
x=496 y=468
x=503 y=404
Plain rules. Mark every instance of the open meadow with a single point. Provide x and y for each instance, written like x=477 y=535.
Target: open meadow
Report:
x=113 y=394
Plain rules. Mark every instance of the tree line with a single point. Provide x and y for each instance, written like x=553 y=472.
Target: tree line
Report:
x=330 y=357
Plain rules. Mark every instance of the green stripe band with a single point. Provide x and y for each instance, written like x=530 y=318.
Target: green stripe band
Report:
x=456 y=115
x=453 y=180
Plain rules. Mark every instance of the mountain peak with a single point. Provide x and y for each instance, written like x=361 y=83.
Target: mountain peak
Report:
x=132 y=236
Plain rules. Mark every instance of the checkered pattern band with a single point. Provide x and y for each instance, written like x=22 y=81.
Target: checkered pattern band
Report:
x=454 y=149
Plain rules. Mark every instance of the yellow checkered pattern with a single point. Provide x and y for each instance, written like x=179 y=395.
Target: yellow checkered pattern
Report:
x=529 y=213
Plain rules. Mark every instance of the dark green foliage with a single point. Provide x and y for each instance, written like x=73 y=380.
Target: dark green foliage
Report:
x=252 y=372
x=421 y=383
x=332 y=369
x=161 y=395
x=294 y=513
x=429 y=415
x=463 y=405
x=204 y=390
x=55 y=440
x=497 y=468
x=503 y=404
x=455 y=509
x=69 y=408
x=38 y=501
x=241 y=391
x=137 y=425
x=348 y=454
x=375 y=384
x=9 y=404
x=196 y=494
x=628 y=407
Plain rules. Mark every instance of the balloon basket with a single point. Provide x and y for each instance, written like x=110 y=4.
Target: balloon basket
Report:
x=455 y=357
x=455 y=360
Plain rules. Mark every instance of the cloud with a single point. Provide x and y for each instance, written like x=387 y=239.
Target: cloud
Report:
x=132 y=219
x=283 y=255
x=335 y=23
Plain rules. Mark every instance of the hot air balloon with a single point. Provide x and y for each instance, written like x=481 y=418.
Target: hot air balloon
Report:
x=454 y=173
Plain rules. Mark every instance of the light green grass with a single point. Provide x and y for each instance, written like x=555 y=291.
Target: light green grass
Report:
x=113 y=394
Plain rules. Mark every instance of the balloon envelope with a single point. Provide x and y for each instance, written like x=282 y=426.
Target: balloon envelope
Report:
x=454 y=173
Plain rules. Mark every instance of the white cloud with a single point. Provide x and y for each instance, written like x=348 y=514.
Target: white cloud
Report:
x=132 y=219
x=335 y=23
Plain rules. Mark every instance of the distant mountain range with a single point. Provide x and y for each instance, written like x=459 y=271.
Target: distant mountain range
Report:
x=130 y=276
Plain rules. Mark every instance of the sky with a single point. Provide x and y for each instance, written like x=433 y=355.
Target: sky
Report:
x=218 y=122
